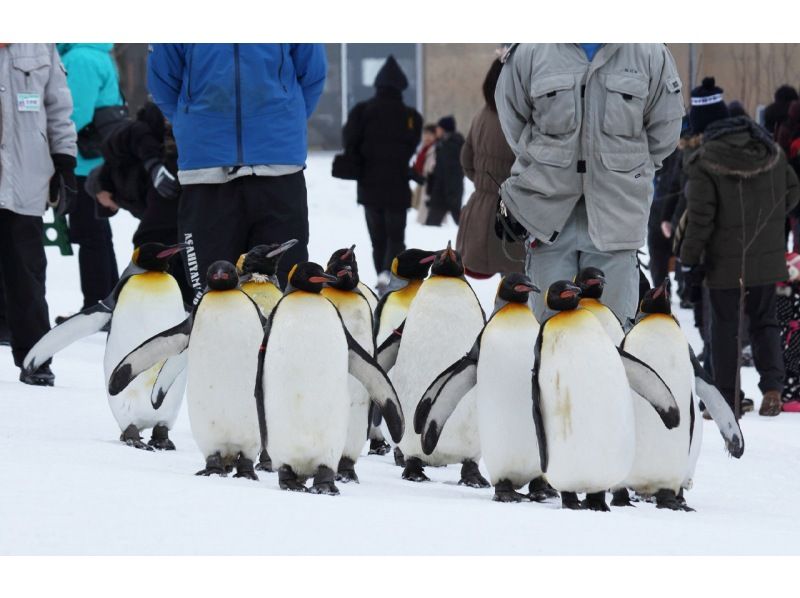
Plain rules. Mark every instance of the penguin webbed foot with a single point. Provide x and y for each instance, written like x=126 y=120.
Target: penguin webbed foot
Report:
x=214 y=466
x=288 y=480
x=504 y=492
x=324 y=482
x=667 y=499
x=346 y=471
x=569 y=500
x=131 y=437
x=399 y=458
x=414 y=470
x=159 y=439
x=595 y=501
x=539 y=490
x=378 y=446
x=245 y=469
x=621 y=498
x=264 y=462
x=471 y=476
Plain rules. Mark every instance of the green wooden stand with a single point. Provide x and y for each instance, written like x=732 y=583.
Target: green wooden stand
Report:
x=57 y=233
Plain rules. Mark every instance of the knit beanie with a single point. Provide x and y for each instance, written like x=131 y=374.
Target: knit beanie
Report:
x=707 y=106
x=448 y=123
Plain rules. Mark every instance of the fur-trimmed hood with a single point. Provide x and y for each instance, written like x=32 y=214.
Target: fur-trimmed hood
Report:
x=736 y=147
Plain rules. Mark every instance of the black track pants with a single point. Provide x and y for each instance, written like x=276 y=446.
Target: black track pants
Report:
x=387 y=231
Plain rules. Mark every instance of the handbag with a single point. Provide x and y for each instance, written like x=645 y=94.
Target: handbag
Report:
x=346 y=166
x=104 y=121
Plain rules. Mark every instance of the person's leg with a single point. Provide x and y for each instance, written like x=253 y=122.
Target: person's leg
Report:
x=660 y=252
x=765 y=337
x=277 y=210
x=211 y=221
x=5 y=333
x=435 y=216
x=724 y=307
x=96 y=259
x=395 y=235
x=376 y=226
x=24 y=266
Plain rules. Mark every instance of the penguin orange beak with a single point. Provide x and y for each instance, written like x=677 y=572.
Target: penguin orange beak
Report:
x=170 y=251
x=570 y=292
x=348 y=255
x=593 y=282
x=428 y=260
x=346 y=271
x=527 y=288
x=448 y=253
x=660 y=290
x=220 y=276
x=322 y=279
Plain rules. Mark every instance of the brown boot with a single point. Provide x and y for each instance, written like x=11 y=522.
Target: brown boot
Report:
x=771 y=403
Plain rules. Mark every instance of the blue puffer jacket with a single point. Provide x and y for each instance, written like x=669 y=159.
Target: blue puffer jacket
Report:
x=237 y=104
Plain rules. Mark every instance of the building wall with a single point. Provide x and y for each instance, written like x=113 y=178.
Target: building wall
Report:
x=453 y=75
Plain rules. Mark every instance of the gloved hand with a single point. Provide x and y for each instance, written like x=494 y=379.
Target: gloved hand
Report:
x=63 y=185
x=165 y=184
x=693 y=275
x=505 y=226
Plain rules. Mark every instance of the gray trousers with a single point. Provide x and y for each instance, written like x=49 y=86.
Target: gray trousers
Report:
x=574 y=250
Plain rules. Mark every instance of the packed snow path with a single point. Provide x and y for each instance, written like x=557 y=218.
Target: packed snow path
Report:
x=68 y=486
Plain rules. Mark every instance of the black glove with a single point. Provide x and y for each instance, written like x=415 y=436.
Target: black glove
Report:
x=63 y=186
x=165 y=184
x=693 y=276
x=505 y=226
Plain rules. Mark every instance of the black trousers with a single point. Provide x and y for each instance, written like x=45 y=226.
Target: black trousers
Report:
x=660 y=249
x=387 y=231
x=177 y=267
x=765 y=337
x=23 y=266
x=96 y=259
x=436 y=215
x=221 y=222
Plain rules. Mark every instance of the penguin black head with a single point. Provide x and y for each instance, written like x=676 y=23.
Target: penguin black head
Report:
x=515 y=287
x=155 y=257
x=344 y=267
x=308 y=276
x=656 y=301
x=448 y=263
x=413 y=264
x=563 y=295
x=263 y=259
x=222 y=276
x=592 y=281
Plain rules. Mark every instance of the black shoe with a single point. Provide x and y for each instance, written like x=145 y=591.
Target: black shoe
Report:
x=747 y=405
x=5 y=335
x=42 y=376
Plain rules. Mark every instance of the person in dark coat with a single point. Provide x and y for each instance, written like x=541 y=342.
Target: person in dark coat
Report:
x=383 y=133
x=139 y=175
x=775 y=114
x=659 y=231
x=739 y=191
x=446 y=185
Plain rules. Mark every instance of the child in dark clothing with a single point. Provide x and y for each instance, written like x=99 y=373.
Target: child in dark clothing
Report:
x=788 y=309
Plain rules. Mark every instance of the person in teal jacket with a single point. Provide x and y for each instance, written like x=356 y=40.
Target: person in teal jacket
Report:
x=94 y=83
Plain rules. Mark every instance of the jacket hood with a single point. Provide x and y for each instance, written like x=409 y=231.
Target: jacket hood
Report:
x=738 y=147
x=391 y=75
x=64 y=48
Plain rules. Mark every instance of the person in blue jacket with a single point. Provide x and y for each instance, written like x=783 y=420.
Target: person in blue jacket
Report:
x=93 y=81
x=239 y=114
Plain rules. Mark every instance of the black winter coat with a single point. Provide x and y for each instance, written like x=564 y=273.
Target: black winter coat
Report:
x=446 y=187
x=383 y=134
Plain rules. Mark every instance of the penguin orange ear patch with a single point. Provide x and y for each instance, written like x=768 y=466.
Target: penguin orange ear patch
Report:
x=240 y=263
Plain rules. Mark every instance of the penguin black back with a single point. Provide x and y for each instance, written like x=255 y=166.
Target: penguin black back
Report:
x=309 y=277
x=591 y=281
x=656 y=301
x=563 y=295
x=154 y=257
x=222 y=276
x=448 y=263
x=413 y=264
x=515 y=288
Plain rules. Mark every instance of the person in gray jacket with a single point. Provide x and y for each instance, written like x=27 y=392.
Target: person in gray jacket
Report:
x=37 y=162
x=589 y=124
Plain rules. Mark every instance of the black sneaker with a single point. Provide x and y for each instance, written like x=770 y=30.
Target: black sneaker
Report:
x=42 y=376
x=747 y=405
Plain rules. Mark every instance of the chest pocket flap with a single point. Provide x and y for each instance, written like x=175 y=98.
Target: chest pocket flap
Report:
x=31 y=72
x=554 y=110
x=625 y=101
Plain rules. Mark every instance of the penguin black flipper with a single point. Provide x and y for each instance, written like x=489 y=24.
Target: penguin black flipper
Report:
x=443 y=396
x=718 y=408
x=387 y=352
x=162 y=346
x=167 y=375
x=647 y=384
x=259 y=389
x=538 y=420
x=366 y=369
x=90 y=320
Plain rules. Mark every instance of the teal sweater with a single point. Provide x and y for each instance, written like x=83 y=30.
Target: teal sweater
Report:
x=94 y=83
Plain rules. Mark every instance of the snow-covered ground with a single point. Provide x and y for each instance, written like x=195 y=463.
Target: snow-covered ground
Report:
x=67 y=486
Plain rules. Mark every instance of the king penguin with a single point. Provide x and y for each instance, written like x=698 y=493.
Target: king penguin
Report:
x=499 y=365
x=302 y=383
x=442 y=324
x=145 y=301
x=346 y=295
x=592 y=281
x=258 y=269
x=663 y=458
x=221 y=341
x=582 y=404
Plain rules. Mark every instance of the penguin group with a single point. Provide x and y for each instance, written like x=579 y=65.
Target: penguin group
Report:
x=297 y=380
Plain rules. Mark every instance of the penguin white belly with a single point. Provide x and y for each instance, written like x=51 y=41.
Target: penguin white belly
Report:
x=607 y=318
x=149 y=303
x=222 y=365
x=357 y=317
x=586 y=405
x=661 y=456
x=395 y=310
x=509 y=446
x=442 y=325
x=306 y=385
